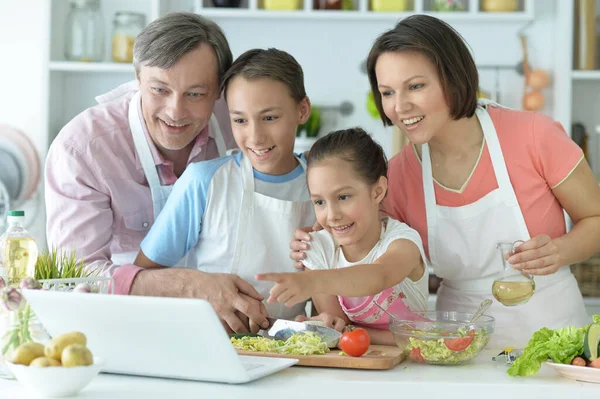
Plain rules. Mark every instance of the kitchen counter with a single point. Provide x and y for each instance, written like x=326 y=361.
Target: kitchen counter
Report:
x=482 y=377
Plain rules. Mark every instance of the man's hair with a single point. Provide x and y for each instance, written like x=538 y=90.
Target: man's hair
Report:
x=165 y=40
x=270 y=64
x=447 y=51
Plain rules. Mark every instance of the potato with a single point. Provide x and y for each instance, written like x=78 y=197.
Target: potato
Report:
x=25 y=353
x=76 y=355
x=595 y=363
x=45 y=362
x=55 y=347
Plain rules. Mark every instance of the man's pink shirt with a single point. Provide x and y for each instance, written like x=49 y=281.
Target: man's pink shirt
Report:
x=97 y=197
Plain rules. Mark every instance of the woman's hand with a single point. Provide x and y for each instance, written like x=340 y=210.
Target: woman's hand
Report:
x=290 y=288
x=299 y=244
x=539 y=256
x=328 y=320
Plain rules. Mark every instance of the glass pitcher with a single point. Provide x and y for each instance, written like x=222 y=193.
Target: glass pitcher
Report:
x=511 y=287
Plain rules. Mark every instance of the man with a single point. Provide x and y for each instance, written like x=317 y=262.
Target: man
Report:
x=110 y=170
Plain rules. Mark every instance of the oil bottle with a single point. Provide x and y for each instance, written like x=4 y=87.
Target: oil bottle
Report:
x=511 y=287
x=19 y=252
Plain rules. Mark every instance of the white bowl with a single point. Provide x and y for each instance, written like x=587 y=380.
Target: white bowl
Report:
x=55 y=382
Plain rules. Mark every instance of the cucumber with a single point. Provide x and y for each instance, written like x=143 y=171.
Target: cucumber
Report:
x=591 y=342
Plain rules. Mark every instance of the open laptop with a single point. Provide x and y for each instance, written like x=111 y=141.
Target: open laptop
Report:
x=151 y=336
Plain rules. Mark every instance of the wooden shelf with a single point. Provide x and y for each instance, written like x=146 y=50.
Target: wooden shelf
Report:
x=71 y=66
x=481 y=17
x=586 y=75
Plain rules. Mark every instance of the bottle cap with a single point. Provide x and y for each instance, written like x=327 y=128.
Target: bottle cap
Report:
x=16 y=213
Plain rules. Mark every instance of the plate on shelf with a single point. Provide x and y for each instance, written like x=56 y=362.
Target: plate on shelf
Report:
x=578 y=373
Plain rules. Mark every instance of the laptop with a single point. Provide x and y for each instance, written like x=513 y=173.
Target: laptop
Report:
x=151 y=336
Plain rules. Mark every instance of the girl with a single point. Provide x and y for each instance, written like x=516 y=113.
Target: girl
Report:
x=359 y=256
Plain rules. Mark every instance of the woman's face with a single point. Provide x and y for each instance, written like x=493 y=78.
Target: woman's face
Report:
x=411 y=94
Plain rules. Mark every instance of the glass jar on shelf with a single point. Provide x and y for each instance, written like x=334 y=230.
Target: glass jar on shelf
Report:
x=126 y=26
x=84 y=33
x=327 y=4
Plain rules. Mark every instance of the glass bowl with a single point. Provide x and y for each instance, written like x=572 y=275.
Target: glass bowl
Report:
x=437 y=337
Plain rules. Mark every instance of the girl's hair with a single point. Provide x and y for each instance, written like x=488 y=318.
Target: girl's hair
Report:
x=447 y=51
x=354 y=146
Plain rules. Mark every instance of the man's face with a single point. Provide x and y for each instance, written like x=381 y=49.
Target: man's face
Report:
x=177 y=103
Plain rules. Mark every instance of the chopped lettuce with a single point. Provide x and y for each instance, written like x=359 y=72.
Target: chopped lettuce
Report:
x=560 y=345
x=307 y=343
x=436 y=351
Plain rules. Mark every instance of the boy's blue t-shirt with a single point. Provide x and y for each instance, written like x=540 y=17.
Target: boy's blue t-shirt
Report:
x=177 y=228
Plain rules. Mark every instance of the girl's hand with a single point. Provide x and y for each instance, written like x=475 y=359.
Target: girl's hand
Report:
x=299 y=244
x=290 y=288
x=539 y=256
x=328 y=320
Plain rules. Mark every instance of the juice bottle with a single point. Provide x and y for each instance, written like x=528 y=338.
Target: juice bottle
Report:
x=20 y=250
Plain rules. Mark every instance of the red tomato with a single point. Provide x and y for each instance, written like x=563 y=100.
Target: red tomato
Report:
x=460 y=344
x=355 y=343
x=415 y=354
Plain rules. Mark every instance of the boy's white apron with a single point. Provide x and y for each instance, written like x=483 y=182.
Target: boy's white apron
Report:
x=261 y=242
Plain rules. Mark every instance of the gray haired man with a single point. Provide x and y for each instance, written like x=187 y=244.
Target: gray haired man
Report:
x=111 y=168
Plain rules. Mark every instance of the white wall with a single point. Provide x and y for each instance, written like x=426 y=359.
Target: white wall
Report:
x=24 y=29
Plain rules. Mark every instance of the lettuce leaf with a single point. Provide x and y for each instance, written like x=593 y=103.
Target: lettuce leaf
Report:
x=560 y=345
x=307 y=343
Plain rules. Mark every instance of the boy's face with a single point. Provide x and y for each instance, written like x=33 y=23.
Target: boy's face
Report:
x=264 y=119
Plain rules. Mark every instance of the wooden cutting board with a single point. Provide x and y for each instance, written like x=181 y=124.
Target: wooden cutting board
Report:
x=378 y=357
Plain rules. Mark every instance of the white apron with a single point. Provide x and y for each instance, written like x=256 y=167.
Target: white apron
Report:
x=160 y=193
x=462 y=250
x=261 y=242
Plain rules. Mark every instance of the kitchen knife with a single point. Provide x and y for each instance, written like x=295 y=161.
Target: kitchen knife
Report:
x=281 y=329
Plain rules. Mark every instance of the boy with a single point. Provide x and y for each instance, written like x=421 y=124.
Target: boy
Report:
x=235 y=214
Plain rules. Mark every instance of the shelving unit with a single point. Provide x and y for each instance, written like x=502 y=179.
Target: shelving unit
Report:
x=73 y=85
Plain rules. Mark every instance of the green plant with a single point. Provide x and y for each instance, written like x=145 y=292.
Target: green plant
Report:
x=54 y=264
x=312 y=125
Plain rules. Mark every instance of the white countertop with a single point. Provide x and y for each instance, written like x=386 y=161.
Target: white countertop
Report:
x=481 y=377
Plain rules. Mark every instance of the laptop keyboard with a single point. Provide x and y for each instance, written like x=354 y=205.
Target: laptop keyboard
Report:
x=252 y=366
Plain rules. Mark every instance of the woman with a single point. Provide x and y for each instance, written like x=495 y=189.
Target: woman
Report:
x=477 y=174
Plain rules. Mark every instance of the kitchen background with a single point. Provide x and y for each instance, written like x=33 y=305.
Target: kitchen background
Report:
x=48 y=79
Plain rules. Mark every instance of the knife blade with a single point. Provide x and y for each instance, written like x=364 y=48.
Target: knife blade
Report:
x=281 y=329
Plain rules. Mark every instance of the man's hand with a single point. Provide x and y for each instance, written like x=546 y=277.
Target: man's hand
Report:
x=300 y=244
x=227 y=293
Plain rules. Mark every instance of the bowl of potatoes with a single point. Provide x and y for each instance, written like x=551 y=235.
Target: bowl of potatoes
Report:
x=61 y=368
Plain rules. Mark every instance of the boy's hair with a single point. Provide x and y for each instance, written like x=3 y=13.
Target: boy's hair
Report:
x=165 y=40
x=270 y=64
x=447 y=51
x=354 y=146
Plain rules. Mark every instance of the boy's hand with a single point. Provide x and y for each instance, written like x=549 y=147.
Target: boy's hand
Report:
x=290 y=288
x=299 y=244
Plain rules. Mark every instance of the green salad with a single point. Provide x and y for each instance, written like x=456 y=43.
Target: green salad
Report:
x=561 y=346
x=447 y=350
x=307 y=343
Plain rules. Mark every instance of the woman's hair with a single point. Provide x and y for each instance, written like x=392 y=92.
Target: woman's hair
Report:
x=447 y=51
x=354 y=146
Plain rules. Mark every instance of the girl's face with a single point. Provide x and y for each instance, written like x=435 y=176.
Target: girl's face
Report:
x=345 y=205
x=412 y=95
